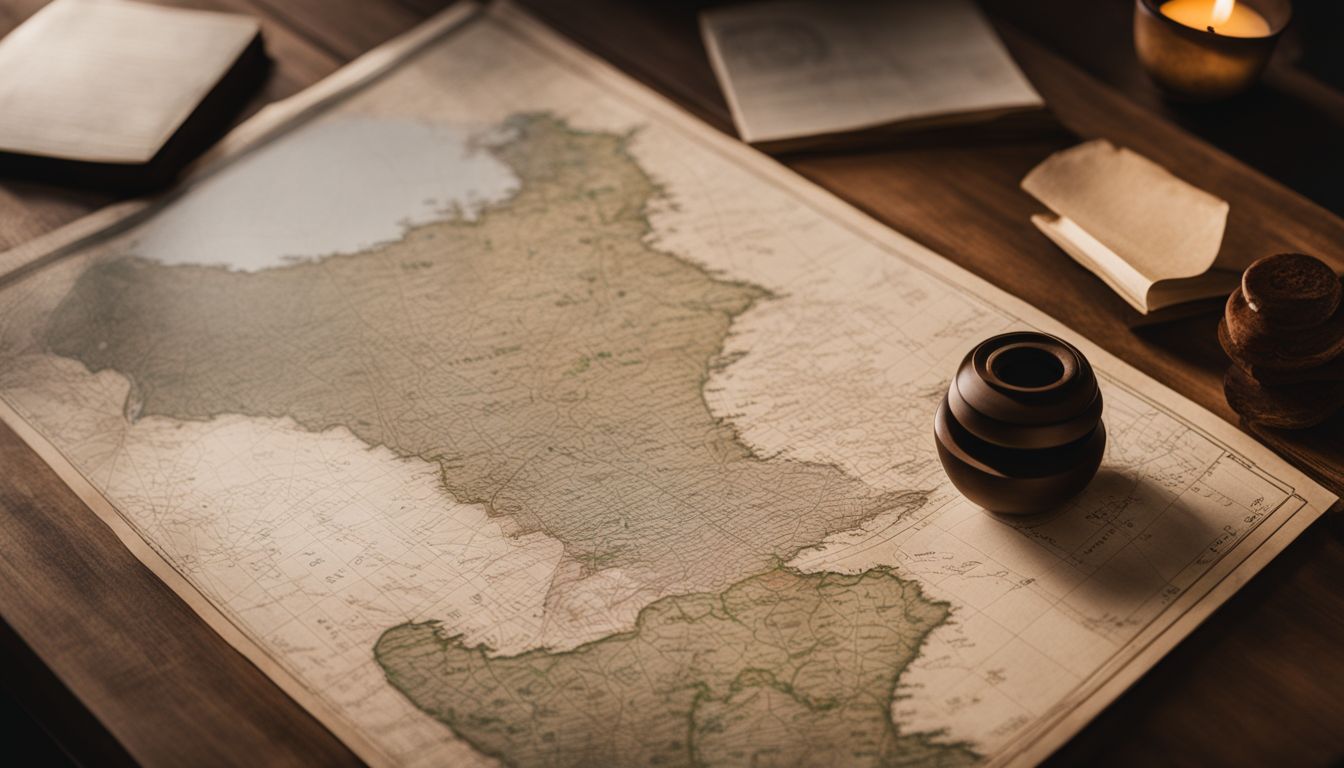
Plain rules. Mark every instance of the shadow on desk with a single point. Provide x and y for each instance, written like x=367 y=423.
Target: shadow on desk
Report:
x=41 y=720
x=1250 y=639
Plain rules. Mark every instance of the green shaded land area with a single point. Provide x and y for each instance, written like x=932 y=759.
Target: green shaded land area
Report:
x=551 y=361
x=544 y=355
x=781 y=669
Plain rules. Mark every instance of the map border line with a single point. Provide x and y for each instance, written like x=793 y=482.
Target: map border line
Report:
x=284 y=115
x=213 y=615
x=270 y=122
x=1220 y=581
x=15 y=264
x=1098 y=678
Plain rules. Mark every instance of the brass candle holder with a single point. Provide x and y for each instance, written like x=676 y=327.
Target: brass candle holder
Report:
x=1201 y=64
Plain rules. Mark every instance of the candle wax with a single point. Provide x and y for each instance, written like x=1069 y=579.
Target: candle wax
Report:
x=1198 y=14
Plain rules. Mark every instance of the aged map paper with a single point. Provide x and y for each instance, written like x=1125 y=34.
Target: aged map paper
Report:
x=505 y=415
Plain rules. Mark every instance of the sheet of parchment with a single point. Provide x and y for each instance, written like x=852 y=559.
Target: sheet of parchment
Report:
x=612 y=410
x=1126 y=218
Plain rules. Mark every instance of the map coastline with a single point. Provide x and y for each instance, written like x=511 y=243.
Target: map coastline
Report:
x=1212 y=588
x=782 y=628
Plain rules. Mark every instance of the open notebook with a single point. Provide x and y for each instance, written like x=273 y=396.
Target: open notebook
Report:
x=803 y=73
x=503 y=413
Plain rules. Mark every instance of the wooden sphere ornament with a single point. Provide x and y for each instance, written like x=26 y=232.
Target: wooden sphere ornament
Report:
x=1020 y=429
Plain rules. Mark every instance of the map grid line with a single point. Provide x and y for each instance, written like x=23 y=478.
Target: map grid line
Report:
x=10 y=415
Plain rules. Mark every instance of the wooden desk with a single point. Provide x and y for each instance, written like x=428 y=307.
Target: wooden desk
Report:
x=120 y=670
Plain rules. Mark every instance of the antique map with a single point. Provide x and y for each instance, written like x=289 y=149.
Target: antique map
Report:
x=505 y=415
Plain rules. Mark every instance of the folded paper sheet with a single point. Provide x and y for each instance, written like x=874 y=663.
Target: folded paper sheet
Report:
x=1152 y=237
x=574 y=454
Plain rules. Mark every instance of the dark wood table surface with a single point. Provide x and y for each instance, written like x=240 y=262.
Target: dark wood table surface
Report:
x=118 y=670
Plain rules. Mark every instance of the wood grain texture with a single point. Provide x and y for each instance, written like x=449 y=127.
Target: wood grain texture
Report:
x=1287 y=108
x=964 y=202
x=131 y=674
x=169 y=689
x=1257 y=683
x=345 y=29
x=28 y=210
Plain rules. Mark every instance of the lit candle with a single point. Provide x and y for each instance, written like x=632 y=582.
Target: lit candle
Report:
x=1221 y=17
x=1204 y=50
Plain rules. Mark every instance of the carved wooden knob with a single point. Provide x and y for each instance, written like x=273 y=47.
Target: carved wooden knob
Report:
x=1020 y=429
x=1291 y=290
x=1284 y=330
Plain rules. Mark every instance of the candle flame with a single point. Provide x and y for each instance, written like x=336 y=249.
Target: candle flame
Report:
x=1222 y=11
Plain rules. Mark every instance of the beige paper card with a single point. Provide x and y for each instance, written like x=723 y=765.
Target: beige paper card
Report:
x=470 y=473
x=1129 y=220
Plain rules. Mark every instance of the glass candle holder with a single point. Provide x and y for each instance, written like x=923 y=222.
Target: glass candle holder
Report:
x=1200 y=64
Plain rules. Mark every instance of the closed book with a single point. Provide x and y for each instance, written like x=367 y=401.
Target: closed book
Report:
x=114 y=93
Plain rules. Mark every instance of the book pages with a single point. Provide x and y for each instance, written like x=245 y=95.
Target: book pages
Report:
x=798 y=68
x=502 y=412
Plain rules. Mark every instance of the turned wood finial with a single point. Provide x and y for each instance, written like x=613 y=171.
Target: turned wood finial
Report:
x=1284 y=330
x=1020 y=428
